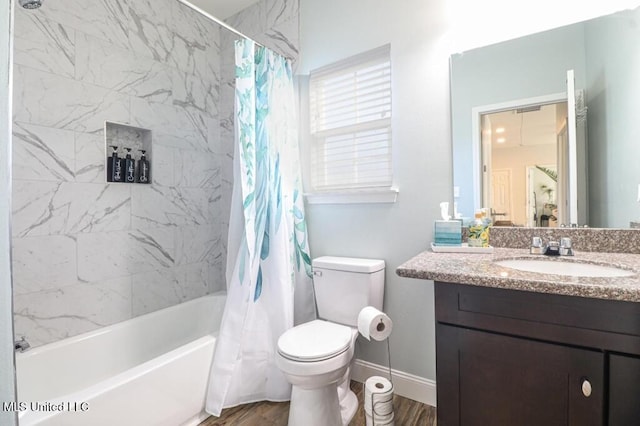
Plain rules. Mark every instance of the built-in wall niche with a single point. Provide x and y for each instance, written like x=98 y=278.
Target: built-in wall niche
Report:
x=122 y=141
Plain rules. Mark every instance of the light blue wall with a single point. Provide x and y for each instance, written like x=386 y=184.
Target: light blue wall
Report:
x=516 y=69
x=613 y=126
x=332 y=30
x=420 y=34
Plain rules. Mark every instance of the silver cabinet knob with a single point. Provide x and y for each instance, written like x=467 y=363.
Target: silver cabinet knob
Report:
x=586 y=388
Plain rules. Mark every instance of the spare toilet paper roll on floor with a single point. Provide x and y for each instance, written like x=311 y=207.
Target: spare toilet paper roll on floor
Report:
x=373 y=324
x=378 y=401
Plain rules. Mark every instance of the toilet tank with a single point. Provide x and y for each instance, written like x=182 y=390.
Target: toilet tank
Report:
x=345 y=285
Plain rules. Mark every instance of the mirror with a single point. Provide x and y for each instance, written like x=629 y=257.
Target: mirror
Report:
x=531 y=71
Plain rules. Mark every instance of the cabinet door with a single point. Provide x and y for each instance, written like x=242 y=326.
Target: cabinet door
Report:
x=624 y=390
x=492 y=379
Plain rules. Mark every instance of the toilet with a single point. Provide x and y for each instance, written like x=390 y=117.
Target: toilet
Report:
x=316 y=356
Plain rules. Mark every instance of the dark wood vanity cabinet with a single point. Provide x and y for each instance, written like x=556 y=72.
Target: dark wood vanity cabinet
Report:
x=624 y=389
x=502 y=380
x=507 y=357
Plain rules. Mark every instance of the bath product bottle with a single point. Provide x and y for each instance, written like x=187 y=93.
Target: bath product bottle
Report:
x=479 y=232
x=117 y=166
x=144 y=170
x=130 y=167
x=110 y=162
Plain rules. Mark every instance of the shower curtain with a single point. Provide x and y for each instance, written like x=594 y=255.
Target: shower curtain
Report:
x=269 y=283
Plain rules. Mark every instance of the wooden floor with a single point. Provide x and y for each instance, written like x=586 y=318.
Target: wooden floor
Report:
x=407 y=413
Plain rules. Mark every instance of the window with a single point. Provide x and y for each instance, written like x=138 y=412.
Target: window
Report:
x=350 y=114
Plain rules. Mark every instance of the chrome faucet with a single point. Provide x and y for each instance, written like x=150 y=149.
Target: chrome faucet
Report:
x=21 y=345
x=536 y=246
x=566 y=248
x=552 y=248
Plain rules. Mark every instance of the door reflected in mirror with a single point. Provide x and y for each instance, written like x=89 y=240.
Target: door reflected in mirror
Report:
x=521 y=162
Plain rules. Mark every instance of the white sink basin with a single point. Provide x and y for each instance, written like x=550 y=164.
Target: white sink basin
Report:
x=574 y=269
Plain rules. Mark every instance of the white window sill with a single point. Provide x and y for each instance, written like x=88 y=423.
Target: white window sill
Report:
x=388 y=195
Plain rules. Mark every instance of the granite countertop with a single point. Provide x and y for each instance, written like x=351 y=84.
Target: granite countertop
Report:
x=480 y=270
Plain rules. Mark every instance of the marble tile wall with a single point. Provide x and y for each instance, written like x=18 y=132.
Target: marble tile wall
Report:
x=87 y=253
x=274 y=24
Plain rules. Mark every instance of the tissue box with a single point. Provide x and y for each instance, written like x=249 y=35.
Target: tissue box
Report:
x=448 y=232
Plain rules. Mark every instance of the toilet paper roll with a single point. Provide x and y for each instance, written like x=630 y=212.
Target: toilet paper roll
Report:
x=373 y=324
x=372 y=421
x=378 y=384
x=378 y=398
x=368 y=419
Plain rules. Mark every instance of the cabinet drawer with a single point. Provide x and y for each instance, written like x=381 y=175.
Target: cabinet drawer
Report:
x=580 y=320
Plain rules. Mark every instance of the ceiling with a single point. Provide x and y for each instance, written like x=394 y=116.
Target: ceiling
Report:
x=526 y=128
x=222 y=9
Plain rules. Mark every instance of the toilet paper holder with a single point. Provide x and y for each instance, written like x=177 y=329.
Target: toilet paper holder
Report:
x=374 y=324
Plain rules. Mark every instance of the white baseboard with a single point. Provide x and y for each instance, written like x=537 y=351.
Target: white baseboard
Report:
x=404 y=384
x=197 y=419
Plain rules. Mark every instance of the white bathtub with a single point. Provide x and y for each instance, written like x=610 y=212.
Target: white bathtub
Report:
x=150 y=370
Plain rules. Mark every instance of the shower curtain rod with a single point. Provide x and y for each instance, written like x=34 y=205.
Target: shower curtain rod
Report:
x=224 y=24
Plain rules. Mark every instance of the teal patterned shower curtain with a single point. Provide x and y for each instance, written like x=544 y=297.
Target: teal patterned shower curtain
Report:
x=269 y=272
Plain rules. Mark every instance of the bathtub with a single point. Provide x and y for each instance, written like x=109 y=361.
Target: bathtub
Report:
x=150 y=370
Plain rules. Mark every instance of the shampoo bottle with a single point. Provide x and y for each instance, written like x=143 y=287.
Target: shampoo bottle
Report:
x=130 y=167
x=110 y=162
x=117 y=166
x=144 y=169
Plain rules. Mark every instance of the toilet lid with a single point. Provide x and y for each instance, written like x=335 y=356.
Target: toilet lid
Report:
x=314 y=341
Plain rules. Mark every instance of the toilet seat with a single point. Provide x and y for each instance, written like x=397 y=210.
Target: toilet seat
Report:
x=316 y=340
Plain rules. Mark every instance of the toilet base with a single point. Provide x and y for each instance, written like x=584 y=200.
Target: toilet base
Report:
x=348 y=407
x=315 y=407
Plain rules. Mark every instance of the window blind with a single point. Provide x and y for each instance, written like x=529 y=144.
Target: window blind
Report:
x=350 y=113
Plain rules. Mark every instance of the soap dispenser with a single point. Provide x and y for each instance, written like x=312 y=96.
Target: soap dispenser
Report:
x=479 y=231
x=116 y=166
x=130 y=167
x=110 y=164
x=144 y=169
